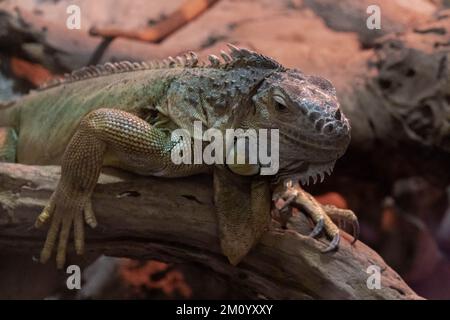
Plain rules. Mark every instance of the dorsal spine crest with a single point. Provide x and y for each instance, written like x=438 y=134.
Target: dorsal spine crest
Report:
x=236 y=58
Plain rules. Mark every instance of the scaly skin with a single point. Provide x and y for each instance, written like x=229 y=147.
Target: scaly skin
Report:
x=122 y=115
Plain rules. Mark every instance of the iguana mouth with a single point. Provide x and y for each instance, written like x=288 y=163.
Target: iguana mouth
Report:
x=317 y=144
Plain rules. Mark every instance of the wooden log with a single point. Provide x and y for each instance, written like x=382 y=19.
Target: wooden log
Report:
x=173 y=220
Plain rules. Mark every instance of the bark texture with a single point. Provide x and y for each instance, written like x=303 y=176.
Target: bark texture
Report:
x=173 y=220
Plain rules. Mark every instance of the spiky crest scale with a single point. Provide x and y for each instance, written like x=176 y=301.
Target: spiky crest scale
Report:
x=236 y=58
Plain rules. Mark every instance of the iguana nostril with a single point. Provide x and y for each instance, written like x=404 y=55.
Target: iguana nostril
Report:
x=337 y=115
x=319 y=124
x=314 y=116
x=345 y=129
x=328 y=128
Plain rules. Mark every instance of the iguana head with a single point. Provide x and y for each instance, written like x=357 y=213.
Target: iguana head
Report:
x=313 y=132
x=263 y=94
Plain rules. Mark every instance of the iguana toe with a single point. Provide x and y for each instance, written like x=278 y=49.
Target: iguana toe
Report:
x=45 y=215
x=334 y=244
x=89 y=215
x=317 y=229
x=344 y=216
x=51 y=239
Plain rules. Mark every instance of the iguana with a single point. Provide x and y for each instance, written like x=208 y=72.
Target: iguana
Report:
x=122 y=115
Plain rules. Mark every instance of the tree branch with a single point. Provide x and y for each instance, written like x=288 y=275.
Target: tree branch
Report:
x=173 y=220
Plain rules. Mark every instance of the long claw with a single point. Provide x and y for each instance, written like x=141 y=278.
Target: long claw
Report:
x=334 y=244
x=42 y=218
x=317 y=229
x=89 y=215
x=356 y=231
x=344 y=216
x=46 y=214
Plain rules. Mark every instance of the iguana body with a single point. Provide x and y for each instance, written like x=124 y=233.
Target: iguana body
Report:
x=122 y=115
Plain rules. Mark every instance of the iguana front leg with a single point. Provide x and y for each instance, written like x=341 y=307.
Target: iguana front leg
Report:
x=136 y=144
x=292 y=195
x=243 y=211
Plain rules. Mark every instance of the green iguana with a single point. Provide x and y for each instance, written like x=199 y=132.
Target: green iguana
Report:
x=122 y=115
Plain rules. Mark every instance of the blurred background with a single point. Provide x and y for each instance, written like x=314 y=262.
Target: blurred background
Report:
x=393 y=83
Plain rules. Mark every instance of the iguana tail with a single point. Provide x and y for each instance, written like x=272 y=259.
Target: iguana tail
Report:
x=9 y=114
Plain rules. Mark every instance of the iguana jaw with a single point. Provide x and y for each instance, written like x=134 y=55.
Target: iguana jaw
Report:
x=316 y=172
x=308 y=172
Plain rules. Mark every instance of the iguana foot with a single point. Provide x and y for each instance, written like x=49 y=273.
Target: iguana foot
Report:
x=322 y=216
x=132 y=141
x=63 y=212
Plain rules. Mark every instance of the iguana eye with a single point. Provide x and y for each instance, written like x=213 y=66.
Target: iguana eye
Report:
x=279 y=103
x=280 y=106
